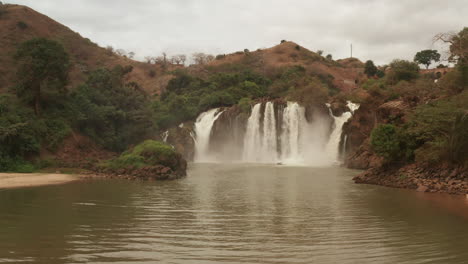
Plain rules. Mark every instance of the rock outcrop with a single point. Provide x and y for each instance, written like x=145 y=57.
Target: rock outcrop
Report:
x=418 y=177
x=181 y=139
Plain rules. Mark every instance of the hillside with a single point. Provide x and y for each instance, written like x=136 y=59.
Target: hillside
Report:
x=270 y=61
x=20 y=23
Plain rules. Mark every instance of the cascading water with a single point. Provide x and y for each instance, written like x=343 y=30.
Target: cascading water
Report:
x=275 y=134
x=293 y=121
x=202 y=129
x=332 y=148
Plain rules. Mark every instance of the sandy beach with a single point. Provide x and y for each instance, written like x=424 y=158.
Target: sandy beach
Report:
x=15 y=180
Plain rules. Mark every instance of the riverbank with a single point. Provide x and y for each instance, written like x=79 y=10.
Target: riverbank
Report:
x=16 y=180
x=432 y=180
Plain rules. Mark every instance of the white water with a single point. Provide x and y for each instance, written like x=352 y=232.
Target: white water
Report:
x=332 y=148
x=293 y=121
x=286 y=138
x=165 y=135
x=202 y=129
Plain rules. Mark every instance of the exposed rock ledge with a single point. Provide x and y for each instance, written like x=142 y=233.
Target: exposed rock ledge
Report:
x=419 y=178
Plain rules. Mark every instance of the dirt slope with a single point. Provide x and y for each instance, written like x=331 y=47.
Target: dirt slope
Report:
x=20 y=23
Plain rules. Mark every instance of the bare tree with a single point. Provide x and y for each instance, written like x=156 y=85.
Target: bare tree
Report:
x=149 y=59
x=175 y=59
x=131 y=54
x=458 y=44
x=182 y=58
x=201 y=58
x=121 y=52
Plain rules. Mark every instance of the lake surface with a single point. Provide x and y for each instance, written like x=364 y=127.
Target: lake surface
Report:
x=232 y=214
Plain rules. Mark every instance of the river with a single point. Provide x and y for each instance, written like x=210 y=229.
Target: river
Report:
x=232 y=214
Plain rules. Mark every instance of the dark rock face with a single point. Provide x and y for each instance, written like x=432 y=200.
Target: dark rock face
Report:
x=227 y=133
x=156 y=172
x=393 y=111
x=363 y=158
x=338 y=108
x=357 y=131
x=180 y=138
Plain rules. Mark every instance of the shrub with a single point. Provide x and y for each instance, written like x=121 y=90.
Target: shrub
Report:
x=385 y=142
x=22 y=25
x=370 y=69
x=148 y=153
x=402 y=70
x=245 y=104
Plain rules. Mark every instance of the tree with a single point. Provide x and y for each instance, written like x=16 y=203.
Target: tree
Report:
x=385 y=142
x=121 y=52
x=458 y=44
x=329 y=57
x=182 y=58
x=370 y=69
x=425 y=57
x=202 y=58
x=319 y=52
x=42 y=64
x=402 y=70
x=131 y=54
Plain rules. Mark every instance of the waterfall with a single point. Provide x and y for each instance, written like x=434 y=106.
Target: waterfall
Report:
x=332 y=147
x=261 y=137
x=273 y=133
x=165 y=135
x=252 y=135
x=202 y=129
x=293 y=119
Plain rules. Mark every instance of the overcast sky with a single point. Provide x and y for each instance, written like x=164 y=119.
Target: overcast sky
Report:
x=380 y=30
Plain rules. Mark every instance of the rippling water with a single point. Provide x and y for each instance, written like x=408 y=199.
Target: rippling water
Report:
x=232 y=214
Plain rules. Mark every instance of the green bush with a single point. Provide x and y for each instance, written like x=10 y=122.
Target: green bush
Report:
x=148 y=153
x=385 y=142
x=187 y=96
x=245 y=104
x=402 y=70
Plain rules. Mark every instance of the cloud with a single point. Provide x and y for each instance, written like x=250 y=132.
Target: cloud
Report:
x=378 y=29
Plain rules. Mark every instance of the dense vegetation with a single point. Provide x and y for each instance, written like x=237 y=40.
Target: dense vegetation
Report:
x=187 y=96
x=112 y=113
x=116 y=114
x=147 y=153
x=435 y=131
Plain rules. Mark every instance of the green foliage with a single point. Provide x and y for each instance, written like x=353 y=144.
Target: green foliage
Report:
x=385 y=142
x=370 y=69
x=112 y=113
x=402 y=70
x=148 y=153
x=187 y=96
x=22 y=25
x=426 y=57
x=42 y=65
x=245 y=104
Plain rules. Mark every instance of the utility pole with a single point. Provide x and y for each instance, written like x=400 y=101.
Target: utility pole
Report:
x=351 y=50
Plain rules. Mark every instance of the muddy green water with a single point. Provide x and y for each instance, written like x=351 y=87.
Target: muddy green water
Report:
x=232 y=214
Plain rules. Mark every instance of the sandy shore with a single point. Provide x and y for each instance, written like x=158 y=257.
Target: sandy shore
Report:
x=15 y=180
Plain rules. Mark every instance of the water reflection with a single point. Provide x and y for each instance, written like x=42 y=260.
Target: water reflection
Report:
x=229 y=214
